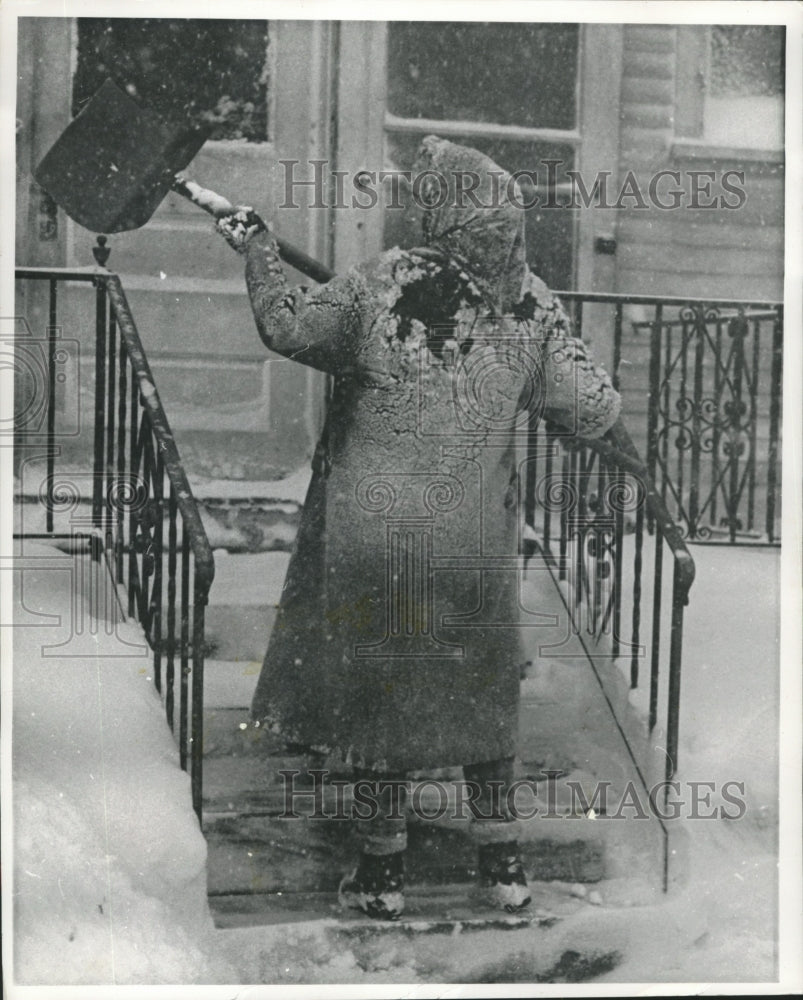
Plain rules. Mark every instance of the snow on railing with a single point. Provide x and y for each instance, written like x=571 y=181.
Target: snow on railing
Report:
x=145 y=522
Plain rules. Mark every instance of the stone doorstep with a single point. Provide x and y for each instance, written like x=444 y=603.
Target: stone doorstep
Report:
x=257 y=785
x=441 y=937
x=252 y=848
x=267 y=855
x=297 y=938
x=235 y=634
x=239 y=619
x=442 y=909
x=249 y=526
x=244 y=527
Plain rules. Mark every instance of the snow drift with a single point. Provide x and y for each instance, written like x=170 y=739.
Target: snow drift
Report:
x=109 y=862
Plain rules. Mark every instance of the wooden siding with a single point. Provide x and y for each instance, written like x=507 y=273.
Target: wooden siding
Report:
x=710 y=253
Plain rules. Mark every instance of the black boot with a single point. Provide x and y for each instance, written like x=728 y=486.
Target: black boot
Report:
x=502 y=880
x=376 y=886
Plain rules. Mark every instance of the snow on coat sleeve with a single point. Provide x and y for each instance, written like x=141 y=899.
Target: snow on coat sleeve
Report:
x=579 y=394
x=318 y=326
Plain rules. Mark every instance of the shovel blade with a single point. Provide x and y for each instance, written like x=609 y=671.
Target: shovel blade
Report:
x=115 y=162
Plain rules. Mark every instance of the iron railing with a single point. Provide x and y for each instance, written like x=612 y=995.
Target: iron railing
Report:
x=712 y=411
x=144 y=520
x=593 y=513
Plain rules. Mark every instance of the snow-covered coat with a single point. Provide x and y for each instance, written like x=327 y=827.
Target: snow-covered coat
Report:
x=396 y=642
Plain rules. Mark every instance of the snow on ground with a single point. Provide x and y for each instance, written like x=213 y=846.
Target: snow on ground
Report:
x=290 y=491
x=730 y=665
x=718 y=924
x=109 y=862
x=109 y=876
x=729 y=731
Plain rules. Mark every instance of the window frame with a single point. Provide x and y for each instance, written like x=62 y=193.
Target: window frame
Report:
x=692 y=75
x=364 y=122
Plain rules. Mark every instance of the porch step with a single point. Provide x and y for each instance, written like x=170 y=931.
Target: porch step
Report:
x=266 y=853
x=565 y=726
x=441 y=937
x=240 y=615
x=244 y=516
x=444 y=909
x=236 y=410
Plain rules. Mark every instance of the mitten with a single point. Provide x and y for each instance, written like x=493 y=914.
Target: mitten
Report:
x=239 y=226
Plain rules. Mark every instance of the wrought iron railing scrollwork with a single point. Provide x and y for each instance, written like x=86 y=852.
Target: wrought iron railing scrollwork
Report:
x=713 y=406
x=145 y=522
x=704 y=417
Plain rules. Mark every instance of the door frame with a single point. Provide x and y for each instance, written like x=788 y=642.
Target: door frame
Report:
x=362 y=121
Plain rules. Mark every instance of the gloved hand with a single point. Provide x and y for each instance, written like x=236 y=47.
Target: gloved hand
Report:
x=239 y=226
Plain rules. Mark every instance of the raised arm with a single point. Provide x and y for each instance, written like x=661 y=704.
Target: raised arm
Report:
x=318 y=327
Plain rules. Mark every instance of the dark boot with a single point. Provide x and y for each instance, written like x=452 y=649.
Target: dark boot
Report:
x=503 y=883
x=376 y=886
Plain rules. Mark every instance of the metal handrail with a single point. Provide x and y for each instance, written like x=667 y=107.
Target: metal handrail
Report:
x=132 y=432
x=202 y=550
x=626 y=298
x=618 y=448
x=713 y=374
x=111 y=283
x=575 y=501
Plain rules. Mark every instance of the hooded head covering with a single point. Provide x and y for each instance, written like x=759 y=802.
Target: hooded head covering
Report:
x=468 y=216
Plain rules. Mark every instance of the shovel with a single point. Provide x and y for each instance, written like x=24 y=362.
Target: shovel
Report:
x=115 y=162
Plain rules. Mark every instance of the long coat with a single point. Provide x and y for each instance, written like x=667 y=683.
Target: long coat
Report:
x=396 y=642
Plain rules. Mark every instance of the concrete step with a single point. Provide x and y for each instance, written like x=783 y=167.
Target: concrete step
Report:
x=444 y=936
x=253 y=853
x=242 y=516
x=565 y=725
x=255 y=845
x=239 y=618
x=443 y=909
x=236 y=411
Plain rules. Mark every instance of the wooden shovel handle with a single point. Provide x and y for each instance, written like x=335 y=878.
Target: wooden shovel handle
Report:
x=218 y=206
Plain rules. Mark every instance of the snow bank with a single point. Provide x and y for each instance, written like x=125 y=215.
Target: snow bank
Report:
x=109 y=861
x=729 y=712
x=729 y=731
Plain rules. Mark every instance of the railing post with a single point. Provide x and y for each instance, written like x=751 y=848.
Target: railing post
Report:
x=737 y=330
x=775 y=413
x=653 y=396
x=122 y=407
x=673 y=703
x=197 y=722
x=637 y=566
x=530 y=479
x=184 y=648
x=655 y=652
x=101 y=254
x=696 y=433
x=753 y=421
x=619 y=484
x=51 y=402
x=617 y=345
x=100 y=402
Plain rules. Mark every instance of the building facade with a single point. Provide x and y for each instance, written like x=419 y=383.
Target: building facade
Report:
x=652 y=155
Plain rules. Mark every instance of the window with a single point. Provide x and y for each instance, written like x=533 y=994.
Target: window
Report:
x=194 y=71
x=509 y=90
x=510 y=74
x=731 y=85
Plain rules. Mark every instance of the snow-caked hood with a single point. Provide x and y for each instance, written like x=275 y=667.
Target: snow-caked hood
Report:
x=482 y=229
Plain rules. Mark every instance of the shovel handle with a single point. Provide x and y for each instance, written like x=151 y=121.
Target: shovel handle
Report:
x=218 y=206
